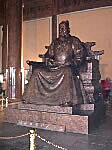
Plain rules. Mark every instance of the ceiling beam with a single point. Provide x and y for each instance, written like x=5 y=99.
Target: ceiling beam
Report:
x=1 y=12
x=35 y=9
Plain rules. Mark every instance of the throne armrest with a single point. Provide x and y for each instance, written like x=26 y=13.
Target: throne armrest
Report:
x=35 y=64
x=32 y=63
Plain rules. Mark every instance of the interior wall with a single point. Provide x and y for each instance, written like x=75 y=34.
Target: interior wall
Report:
x=36 y=35
x=94 y=25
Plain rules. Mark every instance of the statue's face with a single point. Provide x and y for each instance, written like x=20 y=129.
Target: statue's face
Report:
x=63 y=30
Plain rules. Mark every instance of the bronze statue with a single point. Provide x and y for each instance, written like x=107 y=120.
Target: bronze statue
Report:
x=57 y=82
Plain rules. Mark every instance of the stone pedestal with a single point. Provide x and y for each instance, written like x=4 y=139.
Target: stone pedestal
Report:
x=79 y=119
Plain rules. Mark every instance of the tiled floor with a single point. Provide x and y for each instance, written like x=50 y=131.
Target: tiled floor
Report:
x=99 y=139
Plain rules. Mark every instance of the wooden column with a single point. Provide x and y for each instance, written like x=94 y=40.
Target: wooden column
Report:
x=54 y=27
x=4 y=40
x=4 y=49
x=14 y=48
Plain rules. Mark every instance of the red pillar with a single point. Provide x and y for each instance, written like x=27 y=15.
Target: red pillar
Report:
x=4 y=49
x=54 y=27
x=4 y=40
x=14 y=48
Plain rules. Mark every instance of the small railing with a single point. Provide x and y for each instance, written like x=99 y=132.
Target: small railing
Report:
x=3 y=102
x=32 y=137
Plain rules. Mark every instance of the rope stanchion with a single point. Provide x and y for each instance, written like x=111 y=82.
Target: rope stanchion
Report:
x=4 y=100
x=33 y=139
x=50 y=143
x=14 y=137
x=32 y=136
x=2 y=103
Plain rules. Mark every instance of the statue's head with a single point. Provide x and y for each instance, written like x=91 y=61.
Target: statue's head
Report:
x=64 y=29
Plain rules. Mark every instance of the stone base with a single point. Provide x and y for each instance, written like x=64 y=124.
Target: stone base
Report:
x=79 y=119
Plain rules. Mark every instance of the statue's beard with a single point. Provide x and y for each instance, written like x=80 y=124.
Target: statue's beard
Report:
x=63 y=35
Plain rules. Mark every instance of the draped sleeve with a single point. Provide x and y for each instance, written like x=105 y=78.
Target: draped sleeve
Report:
x=78 y=50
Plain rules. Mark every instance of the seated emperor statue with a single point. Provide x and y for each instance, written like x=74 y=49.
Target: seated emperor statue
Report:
x=58 y=83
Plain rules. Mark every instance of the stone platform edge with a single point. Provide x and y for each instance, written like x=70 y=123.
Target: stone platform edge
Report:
x=62 y=122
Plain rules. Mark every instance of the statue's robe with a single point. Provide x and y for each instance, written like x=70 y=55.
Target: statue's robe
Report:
x=53 y=88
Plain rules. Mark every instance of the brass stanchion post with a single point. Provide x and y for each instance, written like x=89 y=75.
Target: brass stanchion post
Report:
x=32 y=139
x=6 y=102
x=2 y=104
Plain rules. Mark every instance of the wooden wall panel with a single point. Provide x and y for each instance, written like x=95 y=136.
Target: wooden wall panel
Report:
x=1 y=12
x=65 y=6
x=34 y=9
x=37 y=9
